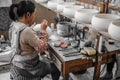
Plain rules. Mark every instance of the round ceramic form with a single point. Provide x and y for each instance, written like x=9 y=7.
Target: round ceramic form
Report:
x=61 y=6
x=52 y=5
x=41 y=1
x=102 y=21
x=70 y=10
x=114 y=30
x=37 y=29
x=85 y=15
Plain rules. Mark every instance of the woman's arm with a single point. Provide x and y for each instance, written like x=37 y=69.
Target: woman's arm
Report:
x=39 y=41
x=43 y=41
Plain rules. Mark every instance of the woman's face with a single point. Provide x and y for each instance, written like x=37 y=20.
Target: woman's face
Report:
x=31 y=18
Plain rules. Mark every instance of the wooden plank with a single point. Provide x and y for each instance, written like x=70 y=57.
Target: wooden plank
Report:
x=99 y=4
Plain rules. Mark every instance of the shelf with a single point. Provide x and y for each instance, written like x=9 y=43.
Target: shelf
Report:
x=102 y=5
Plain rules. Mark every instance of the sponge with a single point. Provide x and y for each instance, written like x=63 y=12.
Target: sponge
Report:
x=90 y=51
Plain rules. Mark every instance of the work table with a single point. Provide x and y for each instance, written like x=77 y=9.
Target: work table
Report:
x=80 y=62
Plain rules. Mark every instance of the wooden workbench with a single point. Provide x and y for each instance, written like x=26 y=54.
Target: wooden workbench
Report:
x=78 y=63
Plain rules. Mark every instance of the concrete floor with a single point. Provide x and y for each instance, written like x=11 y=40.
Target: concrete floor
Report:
x=88 y=75
x=5 y=75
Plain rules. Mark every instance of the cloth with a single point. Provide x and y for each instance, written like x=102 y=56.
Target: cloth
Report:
x=110 y=66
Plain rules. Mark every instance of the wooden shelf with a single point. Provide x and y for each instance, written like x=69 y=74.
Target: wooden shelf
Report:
x=102 y=5
x=115 y=8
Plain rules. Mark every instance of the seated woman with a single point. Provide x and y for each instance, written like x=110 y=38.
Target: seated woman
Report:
x=26 y=45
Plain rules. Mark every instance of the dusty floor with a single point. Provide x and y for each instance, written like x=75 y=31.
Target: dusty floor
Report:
x=4 y=75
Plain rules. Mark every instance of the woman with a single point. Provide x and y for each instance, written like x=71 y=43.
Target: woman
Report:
x=26 y=45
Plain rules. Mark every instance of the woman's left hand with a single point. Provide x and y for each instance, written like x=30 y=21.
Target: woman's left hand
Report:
x=44 y=25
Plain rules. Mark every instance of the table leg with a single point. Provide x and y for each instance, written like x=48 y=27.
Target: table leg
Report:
x=97 y=71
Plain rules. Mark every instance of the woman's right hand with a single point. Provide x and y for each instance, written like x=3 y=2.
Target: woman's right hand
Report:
x=44 y=24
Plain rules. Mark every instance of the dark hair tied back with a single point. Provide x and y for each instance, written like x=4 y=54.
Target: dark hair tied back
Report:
x=13 y=12
x=21 y=9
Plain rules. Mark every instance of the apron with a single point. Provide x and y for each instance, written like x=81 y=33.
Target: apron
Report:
x=35 y=69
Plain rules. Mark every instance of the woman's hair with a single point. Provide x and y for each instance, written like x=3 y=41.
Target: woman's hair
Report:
x=21 y=9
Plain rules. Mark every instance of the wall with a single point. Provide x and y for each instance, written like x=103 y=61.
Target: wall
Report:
x=42 y=13
x=5 y=21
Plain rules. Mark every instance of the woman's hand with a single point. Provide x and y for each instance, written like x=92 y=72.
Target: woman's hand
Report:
x=44 y=24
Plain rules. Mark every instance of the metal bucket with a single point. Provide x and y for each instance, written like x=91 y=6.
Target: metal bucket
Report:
x=64 y=28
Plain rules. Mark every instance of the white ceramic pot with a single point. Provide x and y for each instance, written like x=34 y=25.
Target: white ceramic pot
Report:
x=61 y=6
x=70 y=10
x=41 y=1
x=114 y=29
x=59 y=1
x=102 y=21
x=37 y=29
x=52 y=5
x=85 y=15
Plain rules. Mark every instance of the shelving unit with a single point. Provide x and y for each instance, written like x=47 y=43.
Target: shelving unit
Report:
x=102 y=4
x=106 y=57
